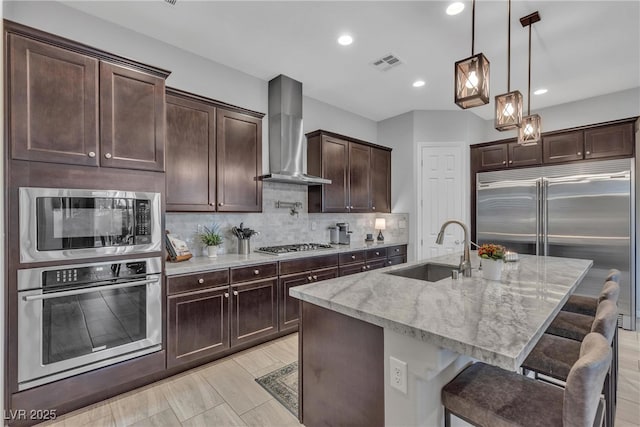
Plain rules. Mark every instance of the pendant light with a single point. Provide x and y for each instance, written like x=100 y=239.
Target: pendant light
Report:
x=508 y=105
x=472 y=75
x=529 y=133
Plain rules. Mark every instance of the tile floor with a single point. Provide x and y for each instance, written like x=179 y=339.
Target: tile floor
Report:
x=224 y=393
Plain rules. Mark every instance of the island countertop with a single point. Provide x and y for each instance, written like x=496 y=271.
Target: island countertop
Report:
x=497 y=322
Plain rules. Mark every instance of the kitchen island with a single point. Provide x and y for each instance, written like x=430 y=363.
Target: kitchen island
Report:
x=352 y=326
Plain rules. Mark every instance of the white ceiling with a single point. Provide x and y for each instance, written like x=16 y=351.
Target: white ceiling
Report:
x=580 y=49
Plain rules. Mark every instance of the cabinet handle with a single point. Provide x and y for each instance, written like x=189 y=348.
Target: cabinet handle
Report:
x=92 y=154
x=368 y=267
x=235 y=293
x=226 y=294
x=389 y=262
x=310 y=279
x=220 y=204
x=315 y=277
x=107 y=155
x=353 y=257
x=377 y=253
x=579 y=153
x=397 y=250
x=588 y=152
x=212 y=204
x=510 y=161
x=373 y=208
x=504 y=162
x=201 y=281
x=364 y=267
x=256 y=272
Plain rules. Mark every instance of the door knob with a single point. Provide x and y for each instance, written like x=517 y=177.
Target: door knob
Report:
x=92 y=154
x=107 y=155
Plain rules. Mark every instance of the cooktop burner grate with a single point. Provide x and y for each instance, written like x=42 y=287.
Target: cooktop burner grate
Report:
x=297 y=247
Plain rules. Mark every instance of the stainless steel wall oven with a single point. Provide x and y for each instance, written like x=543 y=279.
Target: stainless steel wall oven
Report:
x=76 y=318
x=58 y=224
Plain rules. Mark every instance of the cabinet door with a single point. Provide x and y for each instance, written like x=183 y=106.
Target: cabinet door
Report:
x=380 y=180
x=359 y=178
x=254 y=310
x=191 y=155
x=132 y=119
x=53 y=97
x=198 y=325
x=335 y=166
x=524 y=155
x=490 y=157
x=563 y=147
x=239 y=162
x=608 y=141
x=289 y=306
x=346 y=270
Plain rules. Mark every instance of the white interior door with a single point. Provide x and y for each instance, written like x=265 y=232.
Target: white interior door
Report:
x=442 y=197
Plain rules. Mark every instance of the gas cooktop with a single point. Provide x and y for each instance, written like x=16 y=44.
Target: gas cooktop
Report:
x=297 y=247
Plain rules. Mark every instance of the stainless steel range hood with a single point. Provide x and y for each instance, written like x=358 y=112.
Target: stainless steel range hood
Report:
x=286 y=140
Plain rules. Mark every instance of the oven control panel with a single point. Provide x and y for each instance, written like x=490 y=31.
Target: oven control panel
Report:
x=93 y=273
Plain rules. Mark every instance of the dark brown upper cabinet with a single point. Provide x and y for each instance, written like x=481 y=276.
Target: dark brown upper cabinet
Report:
x=214 y=156
x=609 y=141
x=563 y=147
x=71 y=104
x=524 y=155
x=239 y=162
x=132 y=119
x=360 y=173
x=490 y=157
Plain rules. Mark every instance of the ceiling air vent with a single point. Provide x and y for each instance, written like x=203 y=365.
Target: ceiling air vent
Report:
x=172 y=2
x=387 y=62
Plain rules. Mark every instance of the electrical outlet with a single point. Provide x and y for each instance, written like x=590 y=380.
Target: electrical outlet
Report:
x=313 y=225
x=398 y=374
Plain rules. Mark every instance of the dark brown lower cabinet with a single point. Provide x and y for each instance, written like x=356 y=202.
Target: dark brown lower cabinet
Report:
x=395 y=260
x=254 y=310
x=348 y=269
x=198 y=325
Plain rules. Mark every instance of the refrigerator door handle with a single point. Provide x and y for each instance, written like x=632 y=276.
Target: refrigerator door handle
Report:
x=538 y=213
x=545 y=217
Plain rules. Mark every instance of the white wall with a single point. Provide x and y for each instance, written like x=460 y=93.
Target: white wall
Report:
x=319 y=115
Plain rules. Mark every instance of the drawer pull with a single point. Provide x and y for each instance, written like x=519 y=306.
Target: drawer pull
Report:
x=235 y=293
x=588 y=152
x=389 y=262
x=377 y=253
x=256 y=272
x=579 y=153
x=226 y=294
x=107 y=155
x=201 y=281
x=315 y=277
x=368 y=267
x=397 y=250
x=92 y=154
x=220 y=204
x=364 y=267
x=353 y=257
x=510 y=161
x=310 y=279
x=504 y=162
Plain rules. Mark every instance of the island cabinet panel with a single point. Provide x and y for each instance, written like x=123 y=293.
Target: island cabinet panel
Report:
x=350 y=355
x=191 y=155
x=254 y=311
x=360 y=174
x=132 y=118
x=198 y=325
x=380 y=180
x=359 y=178
x=53 y=98
x=609 y=141
x=563 y=147
x=239 y=162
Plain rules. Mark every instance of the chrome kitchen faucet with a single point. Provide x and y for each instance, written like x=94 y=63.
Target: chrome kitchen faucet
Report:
x=465 y=263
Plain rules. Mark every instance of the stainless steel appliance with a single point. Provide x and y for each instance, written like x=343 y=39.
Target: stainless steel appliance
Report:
x=577 y=210
x=296 y=247
x=344 y=235
x=58 y=224
x=75 y=318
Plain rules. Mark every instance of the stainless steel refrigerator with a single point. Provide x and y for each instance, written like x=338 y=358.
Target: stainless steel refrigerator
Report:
x=581 y=210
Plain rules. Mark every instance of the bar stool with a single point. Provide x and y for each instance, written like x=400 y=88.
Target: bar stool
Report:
x=554 y=356
x=587 y=305
x=487 y=396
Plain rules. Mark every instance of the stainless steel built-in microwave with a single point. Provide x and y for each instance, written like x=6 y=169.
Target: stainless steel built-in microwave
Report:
x=62 y=224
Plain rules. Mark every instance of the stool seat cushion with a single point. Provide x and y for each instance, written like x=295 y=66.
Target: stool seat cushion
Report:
x=571 y=325
x=582 y=305
x=491 y=396
x=553 y=356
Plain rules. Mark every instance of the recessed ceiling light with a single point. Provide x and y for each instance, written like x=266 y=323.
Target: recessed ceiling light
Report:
x=455 y=8
x=418 y=83
x=345 y=40
x=541 y=91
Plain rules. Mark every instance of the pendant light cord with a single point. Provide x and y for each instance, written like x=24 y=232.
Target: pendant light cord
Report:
x=529 y=84
x=473 y=25
x=509 y=49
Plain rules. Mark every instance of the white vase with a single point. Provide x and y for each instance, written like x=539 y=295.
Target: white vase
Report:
x=212 y=251
x=491 y=269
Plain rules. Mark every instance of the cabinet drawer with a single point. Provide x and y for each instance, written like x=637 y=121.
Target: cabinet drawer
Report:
x=311 y=263
x=376 y=253
x=196 y=281
x=378 y=263
x=395 y=260
x=351 y=257
x=254 y=272
x=352 y=269
x=396 y=250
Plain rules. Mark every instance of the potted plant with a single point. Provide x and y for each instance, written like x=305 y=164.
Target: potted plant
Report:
x=492 y=257
x=212 y=239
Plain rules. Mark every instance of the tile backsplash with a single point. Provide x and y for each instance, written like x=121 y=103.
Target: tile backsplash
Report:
x=278 y=226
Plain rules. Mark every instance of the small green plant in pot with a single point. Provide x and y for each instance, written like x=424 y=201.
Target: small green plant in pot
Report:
x=211 y=238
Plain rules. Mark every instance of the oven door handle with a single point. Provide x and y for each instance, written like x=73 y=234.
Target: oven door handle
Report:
x=89 y=290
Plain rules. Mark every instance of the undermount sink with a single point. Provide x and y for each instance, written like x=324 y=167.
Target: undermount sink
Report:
x=428 y=272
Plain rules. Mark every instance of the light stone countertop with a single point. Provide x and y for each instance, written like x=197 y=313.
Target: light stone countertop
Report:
x=494 y=322
x=199 y=264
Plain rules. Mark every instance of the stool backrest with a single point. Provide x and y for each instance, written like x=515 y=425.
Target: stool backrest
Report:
x=614 y=276
x=606 y=320
x=610 y=291
x=585 y=381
